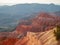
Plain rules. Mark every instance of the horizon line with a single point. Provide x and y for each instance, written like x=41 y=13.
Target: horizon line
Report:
x=11 y=4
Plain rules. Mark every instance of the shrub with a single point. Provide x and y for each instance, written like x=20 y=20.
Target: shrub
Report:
x=57 y=32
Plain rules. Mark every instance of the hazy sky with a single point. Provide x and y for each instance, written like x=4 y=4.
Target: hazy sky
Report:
x=12 y=2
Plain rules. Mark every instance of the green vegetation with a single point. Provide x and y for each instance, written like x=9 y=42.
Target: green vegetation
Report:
x=57 y=33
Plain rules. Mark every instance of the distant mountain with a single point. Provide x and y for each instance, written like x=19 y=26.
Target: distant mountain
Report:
x=29 y=8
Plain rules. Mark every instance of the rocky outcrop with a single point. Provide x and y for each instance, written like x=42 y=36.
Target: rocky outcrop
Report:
x=42 y=38
x=39 y=38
